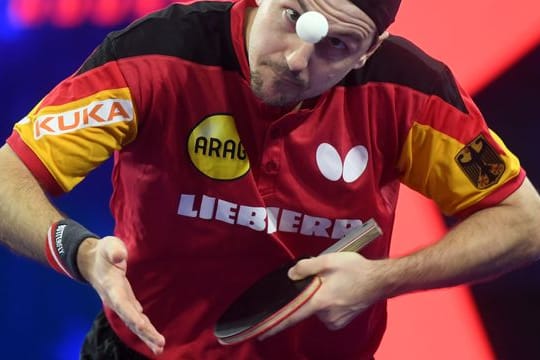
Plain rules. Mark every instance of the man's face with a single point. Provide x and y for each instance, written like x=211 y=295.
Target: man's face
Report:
x=286 y=70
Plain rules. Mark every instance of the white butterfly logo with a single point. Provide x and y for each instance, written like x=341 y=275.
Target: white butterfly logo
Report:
x=332 y=168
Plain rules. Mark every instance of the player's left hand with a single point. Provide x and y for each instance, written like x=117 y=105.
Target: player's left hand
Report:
x=350 y=284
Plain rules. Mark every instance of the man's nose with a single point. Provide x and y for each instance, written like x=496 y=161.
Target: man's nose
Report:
x=298 y=58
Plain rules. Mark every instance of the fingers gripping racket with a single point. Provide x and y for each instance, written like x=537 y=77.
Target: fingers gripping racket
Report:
x=275 y=296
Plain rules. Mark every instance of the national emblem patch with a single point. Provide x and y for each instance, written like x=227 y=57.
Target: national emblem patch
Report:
x=481 y=163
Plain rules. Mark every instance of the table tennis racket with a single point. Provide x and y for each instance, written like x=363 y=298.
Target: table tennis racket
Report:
x=275 y=296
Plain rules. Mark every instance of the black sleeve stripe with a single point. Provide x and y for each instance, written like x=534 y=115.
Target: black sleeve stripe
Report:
x=400 y=62
x=101 y=55
x=198 y=32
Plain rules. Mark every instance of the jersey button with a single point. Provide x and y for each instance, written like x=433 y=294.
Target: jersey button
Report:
x=271 y=167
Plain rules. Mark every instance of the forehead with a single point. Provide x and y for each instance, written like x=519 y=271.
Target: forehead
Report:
x=341 y=14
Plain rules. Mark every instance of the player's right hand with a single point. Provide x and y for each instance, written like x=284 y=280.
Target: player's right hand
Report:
x=103 y=263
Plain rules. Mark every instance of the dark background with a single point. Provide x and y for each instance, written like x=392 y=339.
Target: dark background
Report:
x=45 y=315
x=509 y=306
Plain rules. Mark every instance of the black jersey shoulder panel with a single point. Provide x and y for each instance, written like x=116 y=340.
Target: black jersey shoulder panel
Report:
x=198 y=32
x=398 y=61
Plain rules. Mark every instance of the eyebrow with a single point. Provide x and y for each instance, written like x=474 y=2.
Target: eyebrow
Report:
x=351 y=36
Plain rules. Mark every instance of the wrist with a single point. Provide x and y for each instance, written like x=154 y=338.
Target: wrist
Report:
x=86 y=257
x=62 y=246
x=390 y=279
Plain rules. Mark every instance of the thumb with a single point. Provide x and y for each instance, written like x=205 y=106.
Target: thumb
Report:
x=115 y=250
x=306 y=267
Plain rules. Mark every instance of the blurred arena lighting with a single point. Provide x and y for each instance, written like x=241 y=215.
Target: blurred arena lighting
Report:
x=73 y=13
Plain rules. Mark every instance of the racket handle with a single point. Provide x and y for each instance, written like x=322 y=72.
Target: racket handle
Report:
x=357 y=238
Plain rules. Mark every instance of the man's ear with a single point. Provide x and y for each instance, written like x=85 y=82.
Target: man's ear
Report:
x=364 y=58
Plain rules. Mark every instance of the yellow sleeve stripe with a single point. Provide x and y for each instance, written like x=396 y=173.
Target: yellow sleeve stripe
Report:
x=100 y=109
x=432 y=163
x=73 y=138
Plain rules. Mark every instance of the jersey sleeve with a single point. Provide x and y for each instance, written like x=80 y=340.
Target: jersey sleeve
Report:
x=78 y=124
x=451 y=156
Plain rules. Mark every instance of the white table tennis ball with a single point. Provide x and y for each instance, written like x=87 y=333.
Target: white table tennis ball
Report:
x=312 y=26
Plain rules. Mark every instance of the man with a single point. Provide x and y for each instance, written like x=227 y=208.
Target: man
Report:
x=238 y=146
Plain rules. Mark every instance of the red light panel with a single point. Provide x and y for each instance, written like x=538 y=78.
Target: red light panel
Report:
x=108 y=13
x=144 y=7
x=28 y=13
x=68 y=13
x=72 y=13
x=478 y=39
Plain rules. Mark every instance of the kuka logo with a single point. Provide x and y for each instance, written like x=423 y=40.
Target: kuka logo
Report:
x=215 y=149
x=97 y=113
x=332 y=168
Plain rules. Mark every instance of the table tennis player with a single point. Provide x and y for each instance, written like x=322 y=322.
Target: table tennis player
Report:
x=241 y=143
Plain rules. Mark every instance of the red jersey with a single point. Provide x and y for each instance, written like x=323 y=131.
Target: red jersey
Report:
x=212 y=188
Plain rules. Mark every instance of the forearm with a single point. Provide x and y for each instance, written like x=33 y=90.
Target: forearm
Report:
x=25 y=211
x=488 y=243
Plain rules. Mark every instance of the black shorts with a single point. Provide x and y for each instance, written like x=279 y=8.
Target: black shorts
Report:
x=102 y=343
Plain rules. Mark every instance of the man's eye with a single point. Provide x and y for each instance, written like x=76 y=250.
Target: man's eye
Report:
x=292 y=15
x=336 y=43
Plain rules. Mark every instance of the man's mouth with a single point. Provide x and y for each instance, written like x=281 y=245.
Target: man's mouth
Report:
x=288 y=80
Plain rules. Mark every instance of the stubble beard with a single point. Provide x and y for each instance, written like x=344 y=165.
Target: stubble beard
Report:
x=273 y=90
x=258 y=88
